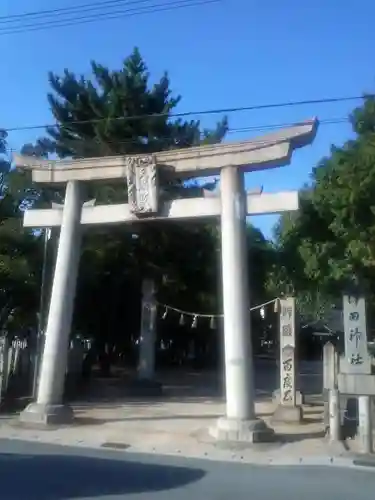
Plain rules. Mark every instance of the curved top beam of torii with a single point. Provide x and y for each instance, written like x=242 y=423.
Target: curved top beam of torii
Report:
x=268 y=151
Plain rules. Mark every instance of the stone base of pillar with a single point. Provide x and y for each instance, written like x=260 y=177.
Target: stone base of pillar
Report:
x=44 y=415
x=246 y=431
x=300 y=398
x=287 y=414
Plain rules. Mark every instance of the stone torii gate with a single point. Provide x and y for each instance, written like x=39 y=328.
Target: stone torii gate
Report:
x=230 y=161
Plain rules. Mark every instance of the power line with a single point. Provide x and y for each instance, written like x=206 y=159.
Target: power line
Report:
x=104 y=16
x=148 y=9
x=66 y=10
x=222 y=111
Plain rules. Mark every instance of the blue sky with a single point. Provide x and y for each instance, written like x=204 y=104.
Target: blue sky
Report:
x=227 y=54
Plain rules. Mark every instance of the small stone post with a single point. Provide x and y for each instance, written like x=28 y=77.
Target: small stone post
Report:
x=365 y=424
x=332 y=418
x=288 y=411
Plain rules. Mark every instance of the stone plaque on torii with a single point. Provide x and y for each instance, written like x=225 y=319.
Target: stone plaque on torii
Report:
x=233 y=204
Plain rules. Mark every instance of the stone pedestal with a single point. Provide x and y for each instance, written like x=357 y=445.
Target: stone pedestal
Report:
x=247 y=431
x=287 y=414
x=41 y=415
x=300 y=399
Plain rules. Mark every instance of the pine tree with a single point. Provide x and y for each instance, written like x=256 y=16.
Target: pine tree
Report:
x=119 y=112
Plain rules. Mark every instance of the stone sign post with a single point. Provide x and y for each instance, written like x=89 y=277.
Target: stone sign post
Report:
x=357 y=363
x=357 y=357
x=288 y=410
x=230 y=161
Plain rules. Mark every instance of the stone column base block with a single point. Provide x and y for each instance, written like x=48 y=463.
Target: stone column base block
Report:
x=287 y=414
x=43 y=415
x=247 y=431
x=300 y=398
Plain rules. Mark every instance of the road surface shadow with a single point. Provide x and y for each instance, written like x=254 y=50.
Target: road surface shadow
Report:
x=61 y=477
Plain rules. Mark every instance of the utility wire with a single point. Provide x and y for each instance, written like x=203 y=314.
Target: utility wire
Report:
x=149 y=9
x=222 y=111
x=67 y=10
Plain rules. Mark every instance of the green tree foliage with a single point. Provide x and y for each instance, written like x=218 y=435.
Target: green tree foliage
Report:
x=19 y=254
x=261 y=257
x=330 y=243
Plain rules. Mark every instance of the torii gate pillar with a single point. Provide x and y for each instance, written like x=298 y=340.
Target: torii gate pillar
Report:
x=240 y=422
x=231 y=161
x=48 y=409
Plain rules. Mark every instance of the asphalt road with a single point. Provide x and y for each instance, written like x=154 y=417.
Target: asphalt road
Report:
x=42 y=472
